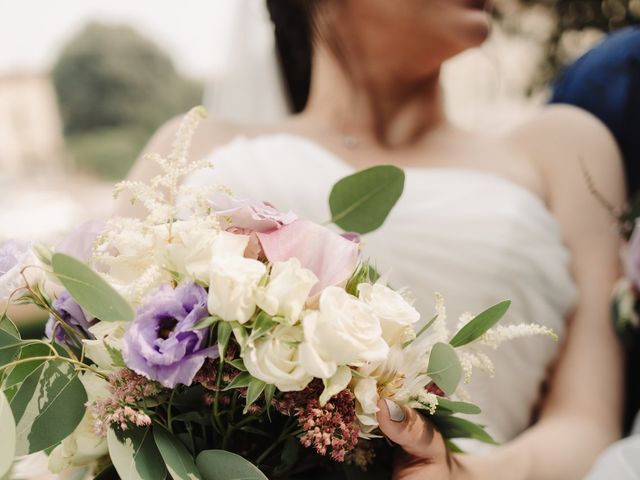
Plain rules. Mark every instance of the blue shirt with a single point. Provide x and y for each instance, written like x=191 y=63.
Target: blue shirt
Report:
x=606 y=82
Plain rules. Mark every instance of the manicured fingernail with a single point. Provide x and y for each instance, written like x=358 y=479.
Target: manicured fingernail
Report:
x=396 y=413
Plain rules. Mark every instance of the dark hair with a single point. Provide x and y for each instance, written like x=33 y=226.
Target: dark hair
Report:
x=293 y=22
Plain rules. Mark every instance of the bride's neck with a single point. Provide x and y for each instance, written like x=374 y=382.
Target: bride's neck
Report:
x=380 y=105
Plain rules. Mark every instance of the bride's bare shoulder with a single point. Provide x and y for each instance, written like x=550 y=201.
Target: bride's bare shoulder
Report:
x=211 y=133
x=563 y=141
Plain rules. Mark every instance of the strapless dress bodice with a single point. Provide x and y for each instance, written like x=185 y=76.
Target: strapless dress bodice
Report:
x=475 y=237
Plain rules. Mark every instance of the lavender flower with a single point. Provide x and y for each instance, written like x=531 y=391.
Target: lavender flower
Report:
x=73 y=315
x=160 y=343
x=14 y=256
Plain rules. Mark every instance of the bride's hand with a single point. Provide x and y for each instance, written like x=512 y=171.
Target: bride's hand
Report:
x=424 y=454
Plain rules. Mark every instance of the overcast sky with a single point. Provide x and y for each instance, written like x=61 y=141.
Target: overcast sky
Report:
x=192 y=31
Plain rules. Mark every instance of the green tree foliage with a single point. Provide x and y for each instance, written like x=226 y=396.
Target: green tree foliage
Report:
x=569 y=16
x=114 y=88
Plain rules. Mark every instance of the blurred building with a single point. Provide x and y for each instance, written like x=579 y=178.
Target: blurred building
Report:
x=30 y=124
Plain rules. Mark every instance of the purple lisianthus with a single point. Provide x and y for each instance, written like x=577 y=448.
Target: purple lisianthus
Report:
x=73 y=315
x=160 y=343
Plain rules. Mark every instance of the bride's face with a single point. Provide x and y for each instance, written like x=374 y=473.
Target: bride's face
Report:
x=413 y=32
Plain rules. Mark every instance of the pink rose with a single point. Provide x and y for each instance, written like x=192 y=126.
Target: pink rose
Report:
x=329 y=255
x=249 y=215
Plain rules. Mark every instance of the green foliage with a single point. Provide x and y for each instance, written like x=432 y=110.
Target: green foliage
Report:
x=361 y=202
x=48 y=406
x=178 y=460
x=109 y=151
x=110 y=75
x=90 y=290
x=223 y=465
x=566 y=16
x=115 y=87
x=456 y=427
x=444 y=368
x=8 y=429
x=9 y=341
x=480 y=324
x=450 y=407
x=134 y=454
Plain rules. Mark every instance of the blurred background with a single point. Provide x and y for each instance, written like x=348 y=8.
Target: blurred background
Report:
x=83 y=84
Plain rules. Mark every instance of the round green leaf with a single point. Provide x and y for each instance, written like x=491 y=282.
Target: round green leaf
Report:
x=223 y=465
x=90 y=290
x=361 y=202
x=444 y=367
x=176 y=457
x=48 y=406
x=480 y=324
x=8 y=441
x=134 y=454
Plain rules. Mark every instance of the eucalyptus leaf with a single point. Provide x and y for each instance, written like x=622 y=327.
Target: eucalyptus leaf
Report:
x=90 y=290
x=134 y=454
x=10 y=341
x=361 y=202
x=48 y=406
x=480 y=324
x=448 y=407
x=444 y=367
x=8 y=432
x=8 y=326
x=456 y=427
x=223 y=465
x=178 y=460
x=20 y=372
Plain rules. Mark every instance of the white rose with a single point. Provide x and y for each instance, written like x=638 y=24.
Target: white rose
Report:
x=106 y=334
x=16 y=259
x=396 y=315
x=82 y=447
x=366 y=392
x=274 y=359
x=233 y=287
x=344 y=331
x=288 y=289
x=194 y=245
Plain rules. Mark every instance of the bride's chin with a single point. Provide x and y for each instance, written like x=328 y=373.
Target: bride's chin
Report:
x=477 y=27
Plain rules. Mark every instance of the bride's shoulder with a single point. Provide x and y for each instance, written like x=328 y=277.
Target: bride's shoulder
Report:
x=211 y=133
x=567 y=144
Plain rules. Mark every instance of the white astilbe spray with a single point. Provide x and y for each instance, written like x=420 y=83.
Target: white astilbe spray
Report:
x=160 y=195
x=135 y=255
x=503 y=333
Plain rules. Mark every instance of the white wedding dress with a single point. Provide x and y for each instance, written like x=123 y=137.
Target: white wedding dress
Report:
x=475 y=237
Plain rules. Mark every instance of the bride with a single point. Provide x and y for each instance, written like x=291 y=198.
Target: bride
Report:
x=482 y=218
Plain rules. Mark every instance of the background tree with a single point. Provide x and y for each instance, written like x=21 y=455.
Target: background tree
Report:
x=568 y=17
x=114 y=88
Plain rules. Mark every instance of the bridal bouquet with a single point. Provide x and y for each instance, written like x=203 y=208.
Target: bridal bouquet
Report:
x=221 y=338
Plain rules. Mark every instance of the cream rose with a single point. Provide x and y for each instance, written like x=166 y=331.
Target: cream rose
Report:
x=396 y=315
x=344 y=331
x=233 y=287
x=287 y=291
x=274 y=359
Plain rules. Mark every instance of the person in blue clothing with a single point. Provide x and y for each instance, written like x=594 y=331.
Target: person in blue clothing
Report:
x=606 y=82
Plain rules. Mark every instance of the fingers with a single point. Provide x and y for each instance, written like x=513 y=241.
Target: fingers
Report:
x=407 y=428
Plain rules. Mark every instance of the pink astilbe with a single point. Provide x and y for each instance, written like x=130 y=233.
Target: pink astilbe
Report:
x=128 y=390
x=331 y=429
